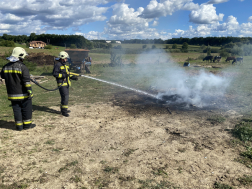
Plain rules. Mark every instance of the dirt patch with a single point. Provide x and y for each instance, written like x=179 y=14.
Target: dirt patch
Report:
x=40 y=59
x=131 y=142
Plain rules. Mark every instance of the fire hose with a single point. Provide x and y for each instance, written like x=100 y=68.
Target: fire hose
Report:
x=35 y=82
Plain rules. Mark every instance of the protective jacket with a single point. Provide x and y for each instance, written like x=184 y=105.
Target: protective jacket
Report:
x=60 y=73
x=17 y=79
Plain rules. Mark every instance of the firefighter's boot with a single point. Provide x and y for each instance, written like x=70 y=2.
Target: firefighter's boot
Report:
x=64 y=110
x=29 y=126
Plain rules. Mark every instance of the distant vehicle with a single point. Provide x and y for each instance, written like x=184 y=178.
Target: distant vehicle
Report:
x=30 y=47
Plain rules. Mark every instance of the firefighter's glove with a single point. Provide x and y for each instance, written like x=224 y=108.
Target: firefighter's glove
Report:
x=74 y=77
x=30 y=94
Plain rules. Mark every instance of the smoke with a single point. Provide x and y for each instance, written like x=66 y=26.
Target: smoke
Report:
x=190 y=86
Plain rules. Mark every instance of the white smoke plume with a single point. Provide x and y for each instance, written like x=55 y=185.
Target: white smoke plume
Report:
x=168 y=78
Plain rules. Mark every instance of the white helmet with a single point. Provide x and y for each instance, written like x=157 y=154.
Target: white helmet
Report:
x=63 y=55
x=19 y=52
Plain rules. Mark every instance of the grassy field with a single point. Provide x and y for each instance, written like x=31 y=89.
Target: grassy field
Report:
x=51 y=141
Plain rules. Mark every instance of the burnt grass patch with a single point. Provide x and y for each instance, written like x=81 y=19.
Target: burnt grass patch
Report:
x=137 y=104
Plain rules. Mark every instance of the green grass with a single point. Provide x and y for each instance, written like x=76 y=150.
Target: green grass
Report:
x=67 y=166
x=152 y=184
x=222 y=186
x=245 y=180
x=243 y=131
x=216 y=119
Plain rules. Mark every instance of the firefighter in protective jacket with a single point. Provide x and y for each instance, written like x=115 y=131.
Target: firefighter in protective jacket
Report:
x=61 y=73
x=17 y=79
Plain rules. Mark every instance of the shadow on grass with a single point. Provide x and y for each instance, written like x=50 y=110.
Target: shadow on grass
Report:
x=7 y=125
x=44 y=109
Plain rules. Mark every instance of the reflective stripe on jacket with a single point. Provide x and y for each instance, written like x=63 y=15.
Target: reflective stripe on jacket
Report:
x=17 y=79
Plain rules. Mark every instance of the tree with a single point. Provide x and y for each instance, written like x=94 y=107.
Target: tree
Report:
x=73 y=46
x=184 y=47
x=109 y=45
x=174 y=46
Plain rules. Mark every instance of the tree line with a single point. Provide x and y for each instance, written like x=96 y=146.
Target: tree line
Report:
x=212 y=41
x=51 y=39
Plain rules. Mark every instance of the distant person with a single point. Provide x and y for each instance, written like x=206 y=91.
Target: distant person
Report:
x=17 y=79
x=61 y=73
x=88 y=61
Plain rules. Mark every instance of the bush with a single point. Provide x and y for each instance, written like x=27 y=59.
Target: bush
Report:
x=48 y=47
x=237 y=51
x=144 y=46
x=184 y=47
x=153 y=46
x=215 y=50
x=73 y=46
x=224 y=53
x=7 y=43
x=247 y=50
x=174 y=46
x=243 y=131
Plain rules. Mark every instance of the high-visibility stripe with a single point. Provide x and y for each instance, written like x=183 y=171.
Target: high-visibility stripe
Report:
x=60 y=76
x=27 y=84
x=64 y=106
x=26 y=122
x=62 y=67
x=12 y=71
x=19 y=123
x=60 y=84
x=17 y=98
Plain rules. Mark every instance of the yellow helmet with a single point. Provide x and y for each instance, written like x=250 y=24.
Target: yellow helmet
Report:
x=19 y=52
x=63 y=55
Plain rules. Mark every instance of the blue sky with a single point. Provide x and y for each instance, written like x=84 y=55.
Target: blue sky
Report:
x=127 y=19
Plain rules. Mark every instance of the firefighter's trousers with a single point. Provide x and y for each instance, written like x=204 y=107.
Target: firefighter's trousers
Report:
x=64 y=93
x=22 y=113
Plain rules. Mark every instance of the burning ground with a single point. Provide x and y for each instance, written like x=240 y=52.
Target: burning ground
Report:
x=128 y=142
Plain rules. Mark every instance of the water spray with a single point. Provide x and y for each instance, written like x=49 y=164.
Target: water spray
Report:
x=118 y=85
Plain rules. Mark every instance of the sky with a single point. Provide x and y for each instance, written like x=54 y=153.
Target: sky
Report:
x=127 y=19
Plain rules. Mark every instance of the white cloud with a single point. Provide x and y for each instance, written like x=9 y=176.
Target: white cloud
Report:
x=126 y=23
x=167 y=7
x=250 y=19
x=216 y=1
x=155 y=23
x=56 y=14
x=92 y=35
x=230 y=27
x=206 y=14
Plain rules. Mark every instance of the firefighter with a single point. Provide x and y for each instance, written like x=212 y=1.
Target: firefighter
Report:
x=17 y=79
x=61 y=73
